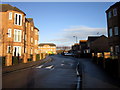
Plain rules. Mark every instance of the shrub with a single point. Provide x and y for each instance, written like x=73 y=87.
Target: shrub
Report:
x=3 y=60
x=15 y=60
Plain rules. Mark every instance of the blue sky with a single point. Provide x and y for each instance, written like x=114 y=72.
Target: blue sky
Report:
x=59 y=22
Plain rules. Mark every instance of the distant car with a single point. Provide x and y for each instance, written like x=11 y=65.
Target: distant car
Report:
x=68 y=54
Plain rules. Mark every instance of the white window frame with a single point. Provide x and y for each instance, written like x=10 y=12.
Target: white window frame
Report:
x=36 y=42
x=32 y=28
x=9 y=32
x=115 y=12
x=31 y=40
x=116 y=31
x=10 y=15
x=17 y=19
x=16 y=36
x=18 y=50
x=110 y=32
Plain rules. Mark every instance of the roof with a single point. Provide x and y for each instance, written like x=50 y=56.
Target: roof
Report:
x=92 y=38
x=6 y=7
x=50 y=44
x=30 y=19
x=83 y=40
x=117 y=4
x=36 y=28
x=102 y=36
x=76 y=44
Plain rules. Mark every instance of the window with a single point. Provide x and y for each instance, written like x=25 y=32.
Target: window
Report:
x=36 y=32
x=31 y=40
x=35 y=42
x=8 y=49
x=111 y=49
x=10 y=15
x=18 y=19
x=117 y=49
x=32 y=28
x=9 y=32
x=110 y=32
x=25 y=50
x=36 y=51
x=25 y=37
x=109 y=14
x=17 y=35
x=116 y=30
x=114 y=12
x=17 y=50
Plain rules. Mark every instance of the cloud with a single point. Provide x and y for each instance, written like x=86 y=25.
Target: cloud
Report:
x=82 y=33
x=84 y=29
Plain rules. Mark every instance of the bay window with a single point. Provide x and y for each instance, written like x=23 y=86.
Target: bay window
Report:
x=18 y=19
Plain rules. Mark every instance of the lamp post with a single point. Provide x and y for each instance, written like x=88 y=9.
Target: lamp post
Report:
x=75 y=38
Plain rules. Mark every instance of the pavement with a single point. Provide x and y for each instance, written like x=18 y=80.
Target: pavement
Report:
x=94 y=76
x=8 y=69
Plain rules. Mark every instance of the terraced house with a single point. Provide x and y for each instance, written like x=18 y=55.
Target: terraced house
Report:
x=19 y=36
x=113 y=26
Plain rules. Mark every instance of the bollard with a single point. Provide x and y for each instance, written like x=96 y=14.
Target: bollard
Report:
x=25 y=58
x=34 y=57
x=40 y=56
x=8 y=60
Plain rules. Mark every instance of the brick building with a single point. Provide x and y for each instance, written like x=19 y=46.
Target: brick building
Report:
x=47 y=48
x=89 y=41
x=113 y=28
x=15 y=32
x=100 y=45
x=83 y=46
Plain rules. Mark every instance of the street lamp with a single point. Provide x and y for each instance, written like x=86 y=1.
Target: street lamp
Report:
x=75 y=38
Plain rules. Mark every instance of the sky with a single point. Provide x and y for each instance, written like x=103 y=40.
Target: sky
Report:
x=58 y=22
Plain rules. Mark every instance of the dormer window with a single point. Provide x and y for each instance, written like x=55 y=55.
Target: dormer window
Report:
x=18 y=19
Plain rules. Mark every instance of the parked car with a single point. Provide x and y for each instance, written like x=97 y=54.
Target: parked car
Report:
x=68 y=54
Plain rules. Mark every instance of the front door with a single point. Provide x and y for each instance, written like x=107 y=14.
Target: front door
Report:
x=17 y=51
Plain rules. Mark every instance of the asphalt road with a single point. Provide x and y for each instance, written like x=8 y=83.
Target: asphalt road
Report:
x=59 y=73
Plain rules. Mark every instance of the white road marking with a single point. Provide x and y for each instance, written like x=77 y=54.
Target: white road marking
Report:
x=49 y=67
x=62 y=64
x=52 y=68
x=78 y=83
x=40 y=66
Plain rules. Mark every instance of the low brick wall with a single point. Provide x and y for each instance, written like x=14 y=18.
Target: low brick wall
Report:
x=8 y=69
